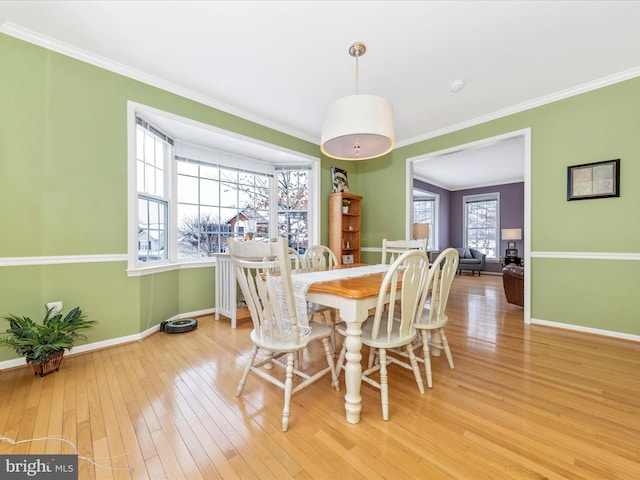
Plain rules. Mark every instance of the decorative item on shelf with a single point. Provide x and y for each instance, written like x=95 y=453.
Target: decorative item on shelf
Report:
x=345 y=206
x=510 y=235
x=43 y=344
x=358 y=127
x=339 y=180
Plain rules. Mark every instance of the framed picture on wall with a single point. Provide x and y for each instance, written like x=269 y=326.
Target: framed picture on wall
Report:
x=339 y=180
x=594 y=180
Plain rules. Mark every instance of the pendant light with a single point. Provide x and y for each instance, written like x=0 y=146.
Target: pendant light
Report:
x=358 y=127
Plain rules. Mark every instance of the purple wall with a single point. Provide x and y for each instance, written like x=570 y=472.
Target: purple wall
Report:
x=451 y=213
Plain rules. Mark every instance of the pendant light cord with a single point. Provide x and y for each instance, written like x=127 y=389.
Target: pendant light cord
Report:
x=357 y=55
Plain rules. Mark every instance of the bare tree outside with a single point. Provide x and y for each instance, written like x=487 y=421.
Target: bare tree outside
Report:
x=243 y=206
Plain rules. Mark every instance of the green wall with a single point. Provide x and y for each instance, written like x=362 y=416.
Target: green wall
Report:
x=63 y=191
x=63 y=187
x=603 y=124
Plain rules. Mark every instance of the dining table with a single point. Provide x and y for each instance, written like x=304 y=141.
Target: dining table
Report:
x=354 y=297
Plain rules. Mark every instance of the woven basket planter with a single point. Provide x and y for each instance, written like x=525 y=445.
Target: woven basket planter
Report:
x=43 y=369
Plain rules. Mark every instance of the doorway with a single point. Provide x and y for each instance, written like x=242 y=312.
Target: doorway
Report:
x=491 y=161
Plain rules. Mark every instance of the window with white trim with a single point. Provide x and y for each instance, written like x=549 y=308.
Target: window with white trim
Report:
x=293 y=205
x=481 y=223
x=215 y=202
x=425 y=210
x=152 y=153
x=189 y=199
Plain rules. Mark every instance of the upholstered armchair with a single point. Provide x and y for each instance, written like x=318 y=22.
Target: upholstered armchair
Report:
x=470 y=259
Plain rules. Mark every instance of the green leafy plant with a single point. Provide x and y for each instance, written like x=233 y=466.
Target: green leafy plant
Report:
x=345 y=203
x=38 y=341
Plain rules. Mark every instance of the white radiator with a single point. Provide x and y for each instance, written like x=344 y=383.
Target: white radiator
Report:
x=225 y=288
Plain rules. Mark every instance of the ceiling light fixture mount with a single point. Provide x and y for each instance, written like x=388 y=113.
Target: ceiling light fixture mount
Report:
x=358 y=127
x=456 y=85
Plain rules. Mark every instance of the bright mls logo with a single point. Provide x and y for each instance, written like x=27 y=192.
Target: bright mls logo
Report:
x=51 y=467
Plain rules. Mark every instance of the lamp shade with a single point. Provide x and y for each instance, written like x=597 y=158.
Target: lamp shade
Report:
x=511 y=234
x=420 y=230
x=358 y=127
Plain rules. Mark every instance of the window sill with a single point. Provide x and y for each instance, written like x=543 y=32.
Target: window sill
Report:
x=168 y=267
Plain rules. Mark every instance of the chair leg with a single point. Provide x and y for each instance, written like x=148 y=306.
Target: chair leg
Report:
x=247 y=368
x=384 y=384
x=329 y=354
x=415 y=368
x=445 y=346
x=332 y=320
x=340 y=364
x=372 y=357
x=427 y=358
x=288 y=388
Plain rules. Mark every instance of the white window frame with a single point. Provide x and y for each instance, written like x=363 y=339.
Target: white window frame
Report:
x=493 y=196
x=268 y=155
x=433 y=229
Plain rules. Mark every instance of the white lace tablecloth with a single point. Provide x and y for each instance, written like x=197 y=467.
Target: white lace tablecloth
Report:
x=302 y=280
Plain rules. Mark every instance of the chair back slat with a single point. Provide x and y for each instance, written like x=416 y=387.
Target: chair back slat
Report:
x=392 y=249
x=406 y=303
x=439 y=282
x=296 y=259
x=320 y=256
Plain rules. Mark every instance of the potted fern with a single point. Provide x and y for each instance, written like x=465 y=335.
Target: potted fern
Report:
x=43 y=344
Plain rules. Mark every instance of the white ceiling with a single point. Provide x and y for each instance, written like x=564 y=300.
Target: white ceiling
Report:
x=279 y=63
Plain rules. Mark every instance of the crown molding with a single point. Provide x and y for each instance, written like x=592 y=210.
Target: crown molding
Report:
x=528 y=105
x=68 y=50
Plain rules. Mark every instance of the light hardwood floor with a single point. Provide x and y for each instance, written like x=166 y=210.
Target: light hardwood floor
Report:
x=521 y=403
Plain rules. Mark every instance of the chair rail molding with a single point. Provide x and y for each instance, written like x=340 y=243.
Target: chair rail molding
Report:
x=587 y=255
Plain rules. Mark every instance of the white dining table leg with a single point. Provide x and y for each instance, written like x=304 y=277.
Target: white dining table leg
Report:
x=353 y=315
x=353 y=372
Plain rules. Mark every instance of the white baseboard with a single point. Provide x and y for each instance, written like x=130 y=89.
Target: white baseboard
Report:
x=582 y=329
x=89 y=347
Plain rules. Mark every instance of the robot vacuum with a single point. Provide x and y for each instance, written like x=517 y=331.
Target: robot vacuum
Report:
x=179 y=326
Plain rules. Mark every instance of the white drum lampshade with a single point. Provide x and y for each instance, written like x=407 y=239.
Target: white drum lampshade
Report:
x=358 y=127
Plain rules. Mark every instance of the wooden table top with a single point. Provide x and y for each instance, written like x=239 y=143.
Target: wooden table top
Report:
x=355 y=287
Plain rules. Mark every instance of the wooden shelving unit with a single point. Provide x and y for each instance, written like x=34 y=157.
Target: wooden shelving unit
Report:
x=345 y=228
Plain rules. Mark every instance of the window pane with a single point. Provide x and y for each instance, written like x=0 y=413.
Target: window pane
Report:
x=482 y=226
x=208 y=192
x=293 y=222
x=152 y=234
x=187 y=189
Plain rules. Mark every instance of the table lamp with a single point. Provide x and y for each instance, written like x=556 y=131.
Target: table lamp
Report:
x=511 y=235
x=421 y=230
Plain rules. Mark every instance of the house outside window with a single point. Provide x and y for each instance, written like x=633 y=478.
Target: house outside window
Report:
x=481 y=223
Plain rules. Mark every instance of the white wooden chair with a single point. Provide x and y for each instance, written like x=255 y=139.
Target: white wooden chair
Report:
x=322 y=256
x=392 y=249
x=296 y=259
x=433 y=319
x=258 y=267
x=393 y=324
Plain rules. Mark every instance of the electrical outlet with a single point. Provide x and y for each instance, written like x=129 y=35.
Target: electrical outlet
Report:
x=55 y=307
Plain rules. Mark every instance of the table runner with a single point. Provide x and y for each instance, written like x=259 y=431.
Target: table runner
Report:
x=302 y=280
